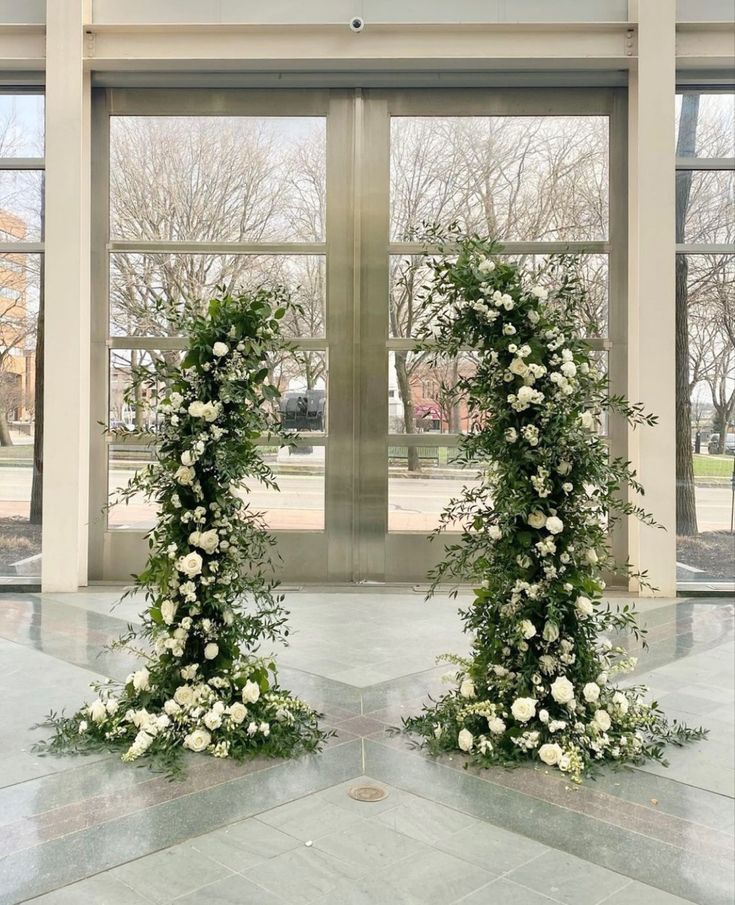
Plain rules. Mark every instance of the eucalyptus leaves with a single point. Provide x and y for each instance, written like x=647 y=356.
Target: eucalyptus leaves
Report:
x=539 y=681
x=201 y=684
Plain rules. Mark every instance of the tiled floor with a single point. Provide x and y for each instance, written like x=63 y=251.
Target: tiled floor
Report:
x=96 y=832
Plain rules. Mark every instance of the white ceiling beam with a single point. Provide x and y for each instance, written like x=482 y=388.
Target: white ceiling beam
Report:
x=22 y=47
x=709 y=45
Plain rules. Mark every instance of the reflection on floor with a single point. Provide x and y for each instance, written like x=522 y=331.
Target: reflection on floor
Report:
x=93 y=831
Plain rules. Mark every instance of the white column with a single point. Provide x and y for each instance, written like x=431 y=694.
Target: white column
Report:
x=67 y=292
x=652 y=286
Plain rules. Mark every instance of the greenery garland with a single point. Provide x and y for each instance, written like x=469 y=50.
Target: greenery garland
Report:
x=208 y=580
x=539 y=681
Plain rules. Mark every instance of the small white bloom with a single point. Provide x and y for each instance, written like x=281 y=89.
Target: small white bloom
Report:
x=550 y=754
x=185 y=475
x=494 y=532
x=220 y=349
x=184 y=695
x=523 y=709
x=83 y=726
x=141 y=680
x=588 y=421
x=97 y=711
x=602 y=720
x=591 y=691
x=237 y=712
x=496 y=725
x=211 y=651
x=528 y=629
x=250 y=692
x=562 y=690
x=551 y=631
x=537 y=519
x=467 y=688
x=620 y=701
x=540 y=293
x=554 y=525
x=190 y=565
x=168 y=611
x=198 y=740
x=584 y=606
x=465 y=740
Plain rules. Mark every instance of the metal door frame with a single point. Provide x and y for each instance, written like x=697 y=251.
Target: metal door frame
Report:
x=355 y=544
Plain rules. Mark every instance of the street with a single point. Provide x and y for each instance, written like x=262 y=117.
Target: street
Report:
x=413 y=505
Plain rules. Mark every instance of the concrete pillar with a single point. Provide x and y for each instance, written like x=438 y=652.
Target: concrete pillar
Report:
x=652 y=286
x=67 y=294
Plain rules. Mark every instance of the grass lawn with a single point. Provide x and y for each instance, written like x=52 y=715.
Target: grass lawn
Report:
x=706 y=466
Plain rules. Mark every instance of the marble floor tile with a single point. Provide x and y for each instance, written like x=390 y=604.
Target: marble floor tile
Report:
x=505 y=892
x=370 y=846
x=169 y=874
x=302 y=876
x=241 y=846
x=568 y=879
x=490 y=847
x=309 y=818
x=235 y=890
x=100 y=890
x=424 y=820
x=436 y=878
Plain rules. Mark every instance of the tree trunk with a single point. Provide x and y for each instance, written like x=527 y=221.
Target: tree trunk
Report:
x=36 y=514
x=5 y=438
x=720 y=425
x=686 y=504
x=409 y=419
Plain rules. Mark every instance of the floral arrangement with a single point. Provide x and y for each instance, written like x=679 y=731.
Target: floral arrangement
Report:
x=208 y=581
x=540 y=681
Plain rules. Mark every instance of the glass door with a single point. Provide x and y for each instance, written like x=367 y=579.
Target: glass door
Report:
x=326 y=192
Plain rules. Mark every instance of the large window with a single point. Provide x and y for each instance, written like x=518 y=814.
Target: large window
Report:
x=705 y=337
x=21 y=333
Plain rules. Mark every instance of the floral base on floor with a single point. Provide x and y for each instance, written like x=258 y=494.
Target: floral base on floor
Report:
x=539 y=683
x=211 y=600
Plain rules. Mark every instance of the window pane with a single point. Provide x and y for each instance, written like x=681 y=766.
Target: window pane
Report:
x=217 y=179
x=301 y=379
x=20 y=478
x=706 y=199
x=706 y=420
x=298 y=504
x=510 y=177
x=146 y=290
x=20 y=205
x=410 y=278
x=421 y=481
x=135 y=408
x=713 y=115
x=21 y=125
x=420 y=397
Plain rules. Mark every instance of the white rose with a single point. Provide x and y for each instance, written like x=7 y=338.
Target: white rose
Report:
x=220 y=349
x=208 y=541
x=141 y=680
x=528 y=629
x=185 y=475
x=518 y=367
x=496 y=725
x=551 y=631
x=465 y=740
x=562 y=690
x=591 y=691
x=187 y=458
x=584 y=606
x=198 y=740
x=212 y=720
x=494 y=532
x=196 y=409
x=602 y=720
x=210 y=412
x=568 y=369
x=550 y=754
x=537 y=519
x=112 y=706
x=564 y=467
x=190 y=565
x=543 y=715
x=168 y=611
x=591 y=556
x=184 y=695
x=237 y=712
x=540 y=293
x=83 y=726
x=620 y=701
x=97 y=711
x=171 y=708
x=523 y=709
x=250 y=692
x=554 y=525
x=211 y=651
x=467 y=688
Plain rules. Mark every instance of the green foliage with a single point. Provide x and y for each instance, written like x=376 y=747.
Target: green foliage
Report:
x=208 y=581
x=534 y=532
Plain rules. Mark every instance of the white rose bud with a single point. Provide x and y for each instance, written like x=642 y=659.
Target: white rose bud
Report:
x=528 y=629
x=465 y=740
x=551 y=632
x=467 y=688
x=602 y=720
x=250 y=692
x=584 y=606
x=591 y=691
x=97 y=711
x=211 y=651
